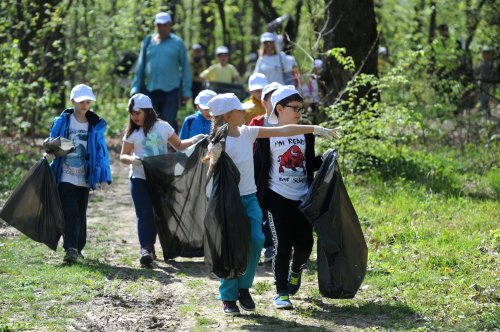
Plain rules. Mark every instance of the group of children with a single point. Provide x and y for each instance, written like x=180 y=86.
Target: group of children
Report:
x=275 y=157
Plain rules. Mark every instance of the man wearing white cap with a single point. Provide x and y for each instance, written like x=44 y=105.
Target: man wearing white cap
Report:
x=284 y=170
x=161 y=66
x=201 y=121
x=256 y=83
x=222 y=71
x=81 y=170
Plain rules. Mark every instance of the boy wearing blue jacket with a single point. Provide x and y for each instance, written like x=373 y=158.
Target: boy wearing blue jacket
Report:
x=81 y=170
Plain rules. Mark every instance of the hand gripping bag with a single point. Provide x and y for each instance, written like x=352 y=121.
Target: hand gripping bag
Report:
x=176 y=182
x=34 y=208
x=341 y=247
x=227 y=228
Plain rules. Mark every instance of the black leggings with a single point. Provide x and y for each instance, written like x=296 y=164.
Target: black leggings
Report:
x=293 y=230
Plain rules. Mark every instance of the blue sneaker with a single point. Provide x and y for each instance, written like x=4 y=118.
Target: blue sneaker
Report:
x=282 y=301
x=294 y=280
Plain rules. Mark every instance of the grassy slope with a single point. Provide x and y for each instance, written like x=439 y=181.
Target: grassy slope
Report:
x=433 y=264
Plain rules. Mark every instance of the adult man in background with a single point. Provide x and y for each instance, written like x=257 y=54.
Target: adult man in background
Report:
x=161 y=63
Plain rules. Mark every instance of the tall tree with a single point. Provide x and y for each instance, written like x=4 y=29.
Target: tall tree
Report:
x=355 y=29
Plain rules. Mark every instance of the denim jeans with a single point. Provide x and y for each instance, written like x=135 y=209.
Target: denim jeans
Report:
x=144 y=212
x=166 y=104
x=228 y=289
x=75 y=200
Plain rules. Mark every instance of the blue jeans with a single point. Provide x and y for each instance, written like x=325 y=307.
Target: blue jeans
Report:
x=166 y=104
x=144 y=212
x=75 y=200
x=228 y=289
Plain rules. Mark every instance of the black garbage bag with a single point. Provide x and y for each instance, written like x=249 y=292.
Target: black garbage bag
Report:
x=227 y=228
x=59 y=146
x=34 y=208
x=176 y=182
x=342 y=250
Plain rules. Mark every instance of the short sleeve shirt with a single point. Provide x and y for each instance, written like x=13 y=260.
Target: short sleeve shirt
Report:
x=154 y=144
x=73 y=166
x=240 y=150
x=287 y=175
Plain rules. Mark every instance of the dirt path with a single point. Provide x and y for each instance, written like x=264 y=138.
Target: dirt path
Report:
x=180 y=294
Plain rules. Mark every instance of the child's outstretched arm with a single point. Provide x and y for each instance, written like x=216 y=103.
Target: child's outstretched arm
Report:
x=179 y=144
x=291 y=130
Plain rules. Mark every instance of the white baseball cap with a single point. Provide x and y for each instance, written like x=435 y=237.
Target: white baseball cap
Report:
x=81 y=92
x=221 y=50
x=281 y=93
x=163 y=18
x=203 y=98
x=257 y=81
x=317 y=63
x=267 y=36
x=225 y=103
x=140 y=101
x=268 y=88
x=196 y=47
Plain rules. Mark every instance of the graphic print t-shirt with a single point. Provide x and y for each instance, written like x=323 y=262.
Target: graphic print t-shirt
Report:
x=154 y=144
x=287 y=175
x=73 y=167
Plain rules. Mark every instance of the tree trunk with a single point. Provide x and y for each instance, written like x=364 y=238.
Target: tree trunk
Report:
x=355 y=29
x=207 y=28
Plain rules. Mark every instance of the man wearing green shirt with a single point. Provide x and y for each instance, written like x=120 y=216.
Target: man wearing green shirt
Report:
x=223 y=71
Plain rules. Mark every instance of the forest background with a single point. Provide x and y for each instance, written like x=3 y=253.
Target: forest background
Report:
x=418 y=154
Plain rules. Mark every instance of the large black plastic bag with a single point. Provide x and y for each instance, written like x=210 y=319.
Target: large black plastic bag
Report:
x=227 y=228
x=34 y=208
x=342 y=251
x=176 y=182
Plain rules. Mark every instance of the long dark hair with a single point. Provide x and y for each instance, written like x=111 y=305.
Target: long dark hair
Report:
x=150 y=118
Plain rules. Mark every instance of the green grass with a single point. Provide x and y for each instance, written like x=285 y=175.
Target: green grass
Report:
x=436 y=254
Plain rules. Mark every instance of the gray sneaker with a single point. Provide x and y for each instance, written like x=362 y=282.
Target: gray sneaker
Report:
x=71 y=256
x=267 y=254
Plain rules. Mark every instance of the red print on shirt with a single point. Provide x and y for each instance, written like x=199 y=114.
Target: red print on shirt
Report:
x=292 y=158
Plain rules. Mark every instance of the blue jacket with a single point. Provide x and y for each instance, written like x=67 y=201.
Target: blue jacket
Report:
x=195 y=124
x=97 y=160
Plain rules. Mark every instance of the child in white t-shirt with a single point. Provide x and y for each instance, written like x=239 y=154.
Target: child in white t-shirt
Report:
x=227 y=108
x=146 y=136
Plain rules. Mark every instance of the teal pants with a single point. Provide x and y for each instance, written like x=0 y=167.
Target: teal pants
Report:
x=228 y=289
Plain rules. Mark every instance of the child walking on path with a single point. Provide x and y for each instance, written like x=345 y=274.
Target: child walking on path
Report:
x=81 y=170
x=227 y=108
x=284 y=169
x=146 y=136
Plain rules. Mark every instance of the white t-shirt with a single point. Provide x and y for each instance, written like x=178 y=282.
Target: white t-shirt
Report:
x=287 y=175
x=154 y=144
x=240 y=149
x=274 y=66
x=73 y=167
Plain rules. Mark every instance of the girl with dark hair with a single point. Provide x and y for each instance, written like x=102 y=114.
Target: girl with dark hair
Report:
x=146 y=136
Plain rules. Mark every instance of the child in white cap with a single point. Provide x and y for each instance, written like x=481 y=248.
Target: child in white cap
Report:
x=256 y=83
x=201 y=121
x=146 y=135
x=284 y=170
x=222 y=71
x=227 y=108
x=81 y=170
x=267 y=91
